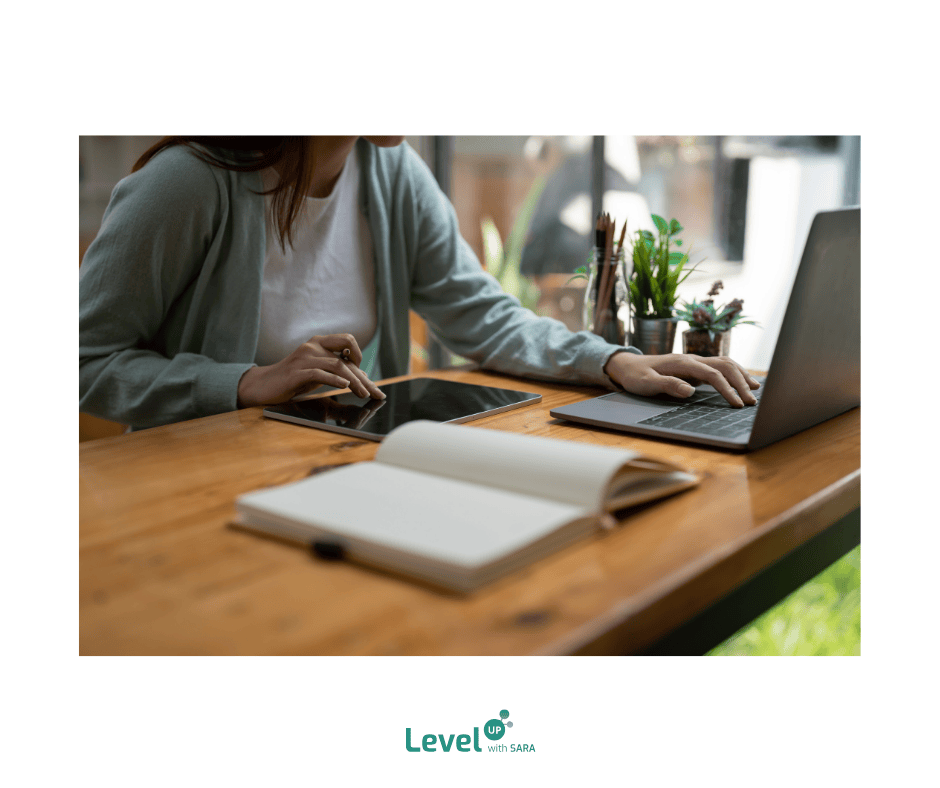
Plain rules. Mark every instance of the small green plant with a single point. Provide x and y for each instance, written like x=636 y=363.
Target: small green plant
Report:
x=581 y=272
x=657 y=271
x=705 y=316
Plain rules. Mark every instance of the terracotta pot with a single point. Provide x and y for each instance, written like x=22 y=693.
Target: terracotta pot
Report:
x=697 y=342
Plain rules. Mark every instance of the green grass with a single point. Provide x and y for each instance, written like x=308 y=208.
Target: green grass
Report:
x=822 y=618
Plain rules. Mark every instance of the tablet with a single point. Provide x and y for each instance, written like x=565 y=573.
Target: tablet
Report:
x=420 y=398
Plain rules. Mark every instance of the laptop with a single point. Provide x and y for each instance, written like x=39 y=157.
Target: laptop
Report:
x=814 y=375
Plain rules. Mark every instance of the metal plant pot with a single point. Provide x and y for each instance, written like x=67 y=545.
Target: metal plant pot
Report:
x=654 y=336
x=698 y=342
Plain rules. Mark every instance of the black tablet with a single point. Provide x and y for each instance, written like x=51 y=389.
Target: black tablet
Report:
x=407 y=400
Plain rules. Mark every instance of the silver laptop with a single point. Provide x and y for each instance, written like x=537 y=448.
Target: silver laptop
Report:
x=815 y=373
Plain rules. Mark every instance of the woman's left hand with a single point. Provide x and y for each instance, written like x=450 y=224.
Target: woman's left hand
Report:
x=677 y=373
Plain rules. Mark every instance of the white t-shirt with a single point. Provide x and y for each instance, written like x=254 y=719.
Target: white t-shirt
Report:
x=324 y=283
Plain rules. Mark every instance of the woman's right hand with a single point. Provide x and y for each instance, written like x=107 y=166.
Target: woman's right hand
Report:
x=313 y=364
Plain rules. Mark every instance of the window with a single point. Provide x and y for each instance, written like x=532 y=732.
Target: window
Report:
x=746 y=204
x=526 y=206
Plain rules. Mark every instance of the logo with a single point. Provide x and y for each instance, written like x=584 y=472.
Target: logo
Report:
x=494 y=730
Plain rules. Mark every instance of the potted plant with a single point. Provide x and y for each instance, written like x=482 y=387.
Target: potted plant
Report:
x=657 y=272
x=710 y=327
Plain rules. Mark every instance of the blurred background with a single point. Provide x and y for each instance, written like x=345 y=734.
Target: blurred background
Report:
x=526 y=205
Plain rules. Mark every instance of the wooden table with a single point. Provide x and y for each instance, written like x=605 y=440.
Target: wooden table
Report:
x=162 y=571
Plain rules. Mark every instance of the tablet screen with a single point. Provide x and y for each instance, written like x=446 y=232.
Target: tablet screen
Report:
x=407 y=400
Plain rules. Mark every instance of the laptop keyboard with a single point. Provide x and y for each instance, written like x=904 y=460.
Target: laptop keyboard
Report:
x=710 y=416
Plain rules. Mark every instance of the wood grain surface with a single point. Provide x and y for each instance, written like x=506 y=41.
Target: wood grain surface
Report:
x=163 y=572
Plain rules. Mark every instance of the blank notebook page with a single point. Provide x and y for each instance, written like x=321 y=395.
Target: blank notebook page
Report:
x=445 y=519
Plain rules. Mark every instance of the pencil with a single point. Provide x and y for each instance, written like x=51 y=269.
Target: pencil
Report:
x=623 y=233
x=600 y=243
x=613 y=276
x=603 y=291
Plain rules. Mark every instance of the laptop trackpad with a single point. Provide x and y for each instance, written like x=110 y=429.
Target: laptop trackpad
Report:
x=630 y=408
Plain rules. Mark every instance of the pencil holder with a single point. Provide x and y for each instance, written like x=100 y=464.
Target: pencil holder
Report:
x=606 y=308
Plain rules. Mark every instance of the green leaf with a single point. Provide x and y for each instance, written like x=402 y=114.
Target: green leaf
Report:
x=675 y=227
x=676 y=257
x=581 y=272
x=657 y=296
x=660 y=224
x=505 y=262
x=646 y=237
x=520 y=227
x=492 y=247
x=634 y=296
x=641 y=262
x=677 y=272
x=689 y=272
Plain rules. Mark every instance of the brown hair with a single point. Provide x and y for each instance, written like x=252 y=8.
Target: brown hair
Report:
x=295 y=157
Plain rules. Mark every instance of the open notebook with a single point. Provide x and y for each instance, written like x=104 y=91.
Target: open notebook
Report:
x=460 y=506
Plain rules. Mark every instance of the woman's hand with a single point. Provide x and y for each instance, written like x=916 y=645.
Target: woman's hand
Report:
x=677 y=373
x=313 y=364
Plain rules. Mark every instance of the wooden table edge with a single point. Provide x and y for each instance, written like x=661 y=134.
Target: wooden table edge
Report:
x=617 y=632
x=629 y=625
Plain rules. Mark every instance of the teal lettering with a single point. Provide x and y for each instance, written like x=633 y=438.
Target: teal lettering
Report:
x=430 y=740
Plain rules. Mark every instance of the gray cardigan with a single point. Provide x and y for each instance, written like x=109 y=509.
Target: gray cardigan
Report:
x=170 y=290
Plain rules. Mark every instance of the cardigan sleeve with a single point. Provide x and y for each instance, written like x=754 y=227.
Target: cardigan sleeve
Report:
x=466 y=307
x=158 y=227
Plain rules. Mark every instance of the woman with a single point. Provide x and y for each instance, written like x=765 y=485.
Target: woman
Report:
x=231 y=272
